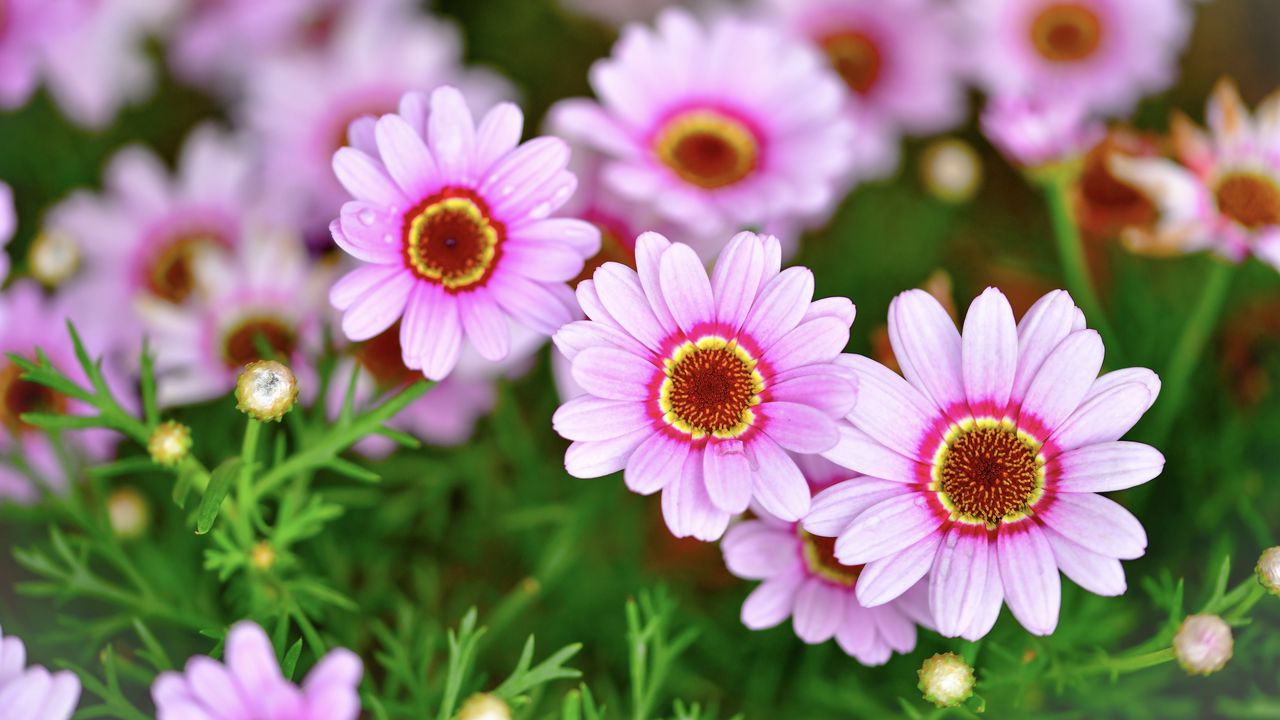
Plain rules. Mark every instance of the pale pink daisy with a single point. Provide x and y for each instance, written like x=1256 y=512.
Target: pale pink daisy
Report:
x=699 y=386
x=33 y=693
x=717 y=126
x=301 y=104
x=27 y=27
x=803 y=580
x=249 y=684
x=454 y=223
x=898 y=60
x=8 y=224
x=1224 y=193
x=984 y=464
x=28 y=321
x=139 y=238
x=1034 y=132
x=269 y=295
x=1104 y=54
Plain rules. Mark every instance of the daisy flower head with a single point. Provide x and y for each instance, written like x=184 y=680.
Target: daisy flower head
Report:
x=896 y=57
x=301 y=103
x=984 y=464
x=1223 y=192
x=1034 y=132
x=248 y=684
x=1102 y=54
x=453 y=222
x=34 y=693
x=717 y=125
x=699 y=386
x=267 y=298
x=803 y=580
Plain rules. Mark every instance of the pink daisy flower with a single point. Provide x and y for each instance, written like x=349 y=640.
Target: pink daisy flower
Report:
x=301 y=104
x=1224 y=194
x=33 y=693
x=803 y=580
x=140 y=237
x=453 y=221
x=699 y=386
x=984 y=464
x=1104 y=54
x=269 y=294
x=248 y=684
x=27 y=27
x=31 y=321
x=1032 y=132
x=897 y=58
x=718 y=126
x=8 y=224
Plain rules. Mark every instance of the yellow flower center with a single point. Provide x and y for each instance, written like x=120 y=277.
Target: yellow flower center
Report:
x=820 y=557
x=855 y=56
x=1251 y=199
x=709 y=388
x=988 y=471
x=708 y=148
x=18 y=396
x=451 y=240
x=170 y=273
x=1066 y=32
x=240 y=345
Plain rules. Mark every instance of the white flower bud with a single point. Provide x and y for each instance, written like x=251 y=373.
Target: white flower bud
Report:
x=946 y=680
x=1203 y=644
x=266 y=390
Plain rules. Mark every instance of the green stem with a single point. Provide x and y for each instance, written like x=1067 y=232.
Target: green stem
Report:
x=1075 y=270
x=339 y=438
x=245 y=499
x=1189 y=348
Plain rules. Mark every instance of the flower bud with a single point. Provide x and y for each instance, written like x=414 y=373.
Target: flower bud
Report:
x=483 y=706
x=946 y=680
x=951 y=170
x=1203 y=644
x=169 y=443
x=54 y=257
x=263 y=556
x=1269 y=570
x=266 y=390
x=127 y=512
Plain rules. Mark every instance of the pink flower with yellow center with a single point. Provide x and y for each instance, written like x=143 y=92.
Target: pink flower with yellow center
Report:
x=983 y=465
x=896 y=57
x=699 y=386
x=454 y=224
x=1103 y=54
x=1223 y=193
x=717 y=126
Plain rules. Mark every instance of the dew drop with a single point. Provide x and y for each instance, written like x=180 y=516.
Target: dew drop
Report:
x=367 y=216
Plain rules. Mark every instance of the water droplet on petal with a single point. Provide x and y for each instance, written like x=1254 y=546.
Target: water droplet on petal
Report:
x=367 y=216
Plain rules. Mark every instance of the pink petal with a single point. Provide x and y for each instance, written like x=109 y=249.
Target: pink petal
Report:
x=582 y=334
x=350 y=287
x=591 y=459
x=378 y=308
x=212 y=685
x=63 y=695
x=989 y=352
x=833 y=509
x=686 y=507
x=339 y=668
x=989 y=609
x=593 y=418
x=885 y=528
x=485 y=325
x=1116 y=378
x=366 y=179
x=728 y=475
x=414 y=107
x=889 y=577
x=1104 y=417
x=685 y=287
x=839 y=308
x=896 y=628
x=799 y=428
x=1029 y=576
x=650 y=246
x=815 y=341
x=1045 y=325
x=779 y=307
x=432 y=332
x=958 y=578
x=368 y=232
x=819 y=610
x=498 y=134
x=545 y=261
x=406 y=157
x=754 y=550
x=614 y=374
x=778 y=484
x=530 y=175
x=1104 y=467
x=656 y=463
x=529 y=303
x=891 y=411
x=618 y=288
x=580 y=235
x=1063 y=379
x=859 y=452
x=738 y=275
x=1096 y=524
x=1096 y=573
x=772 y=602
x=927 y=345
x=251 y=659
x=451 y=135
x=825 y=387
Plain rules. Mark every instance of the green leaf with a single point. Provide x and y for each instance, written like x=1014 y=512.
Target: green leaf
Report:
x=147 y=369
x=290 y=663
x=219 y=484
x=525 y=678
x=188 y=472
x=55 y=421
x=349 y=469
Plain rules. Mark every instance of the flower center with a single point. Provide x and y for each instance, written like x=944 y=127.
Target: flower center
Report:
x=1251 y=199
x=820 y=558
x=382 y=358
x=450 y=239
x=1100 y=188
x=708 y=148
x=987 y=472
x=240 y=346
x=709 y=387
x=1066 y=32
x=18 y=396
x=855 y=56
x=171 y=272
